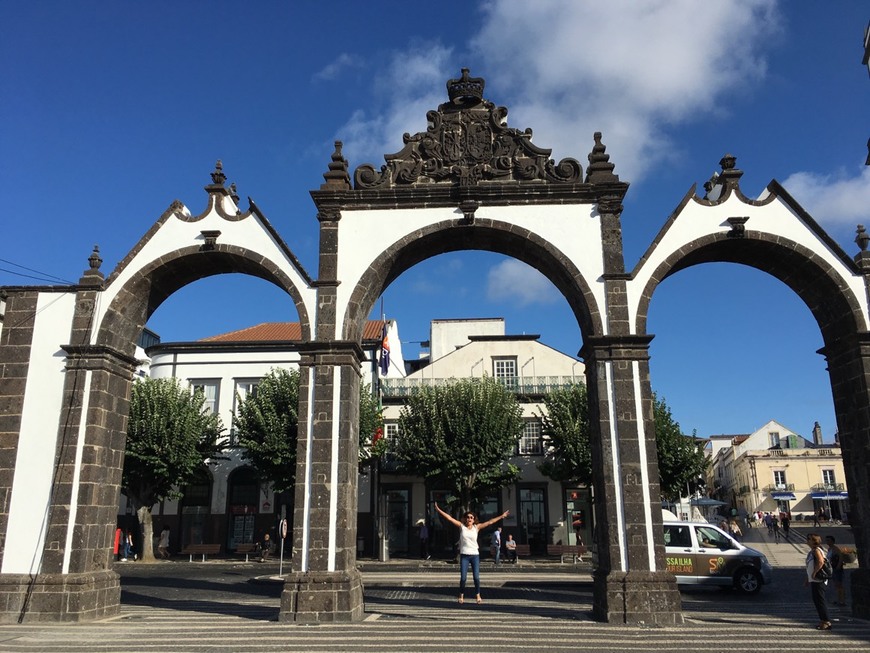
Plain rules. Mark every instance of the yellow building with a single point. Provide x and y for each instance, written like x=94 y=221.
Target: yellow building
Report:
x=775 y=469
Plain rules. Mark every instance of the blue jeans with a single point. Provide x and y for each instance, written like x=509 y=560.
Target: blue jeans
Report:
x=464 y=560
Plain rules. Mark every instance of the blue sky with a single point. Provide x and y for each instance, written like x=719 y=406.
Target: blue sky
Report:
x=111 y=110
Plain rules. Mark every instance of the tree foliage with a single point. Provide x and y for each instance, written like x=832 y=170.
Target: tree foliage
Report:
x=566 y=423
x=266 y=423
x=460 y=436
x=681 y=459
x=170 y=433
x=267 y=426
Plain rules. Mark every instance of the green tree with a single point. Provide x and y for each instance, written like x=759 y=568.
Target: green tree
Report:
x=460 y=436
x=266 y=424
x=681 y=459
x=566 y=425
x=170 y=433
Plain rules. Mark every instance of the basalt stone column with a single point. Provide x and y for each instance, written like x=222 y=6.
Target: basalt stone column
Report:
x=849 y=367
x=76 y=581
x=325 y=585
x=631 y=584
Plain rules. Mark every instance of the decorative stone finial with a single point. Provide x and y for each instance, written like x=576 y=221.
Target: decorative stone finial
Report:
x=218 y=177
x=599 y=170
x=234 y=193
x=862 y=238
x=465 y=88
x=862 y=258
x=337 y=177
x=730 y=175
x=92 y=276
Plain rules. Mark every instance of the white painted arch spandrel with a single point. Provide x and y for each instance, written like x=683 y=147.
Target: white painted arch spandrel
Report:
x=363 y=235
x=775 y=218
x=249 y=233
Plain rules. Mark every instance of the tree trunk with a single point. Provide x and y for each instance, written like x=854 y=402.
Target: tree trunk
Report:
x=144 y=515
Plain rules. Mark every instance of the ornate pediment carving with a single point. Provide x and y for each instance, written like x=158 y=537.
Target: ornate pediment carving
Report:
x=468 y=142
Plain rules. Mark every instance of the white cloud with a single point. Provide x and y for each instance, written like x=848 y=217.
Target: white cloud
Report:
x=333 y=70
x=412 y=85
x=833 y=200
x=515 y=282
x=630 y=69
x=625 y=68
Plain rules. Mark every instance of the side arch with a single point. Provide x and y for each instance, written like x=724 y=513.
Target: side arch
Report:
x=821 y=287
x=484 y=234
x=149 y=287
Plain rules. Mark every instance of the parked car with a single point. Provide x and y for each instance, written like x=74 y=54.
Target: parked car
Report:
x=703 y=554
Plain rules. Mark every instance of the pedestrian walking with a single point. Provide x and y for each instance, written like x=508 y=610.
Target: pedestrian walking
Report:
x=774 y=524
x=815 y=562
x=424 y=539
x=835 y=557
x=495 y=545
x=785 y=520
x=163 y=542
x=469 y=550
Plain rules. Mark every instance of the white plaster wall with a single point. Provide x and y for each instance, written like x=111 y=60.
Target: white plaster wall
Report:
x=37 y=443
x=175 y=233
x=776 y=218
x=363 y=236
x=445 y=336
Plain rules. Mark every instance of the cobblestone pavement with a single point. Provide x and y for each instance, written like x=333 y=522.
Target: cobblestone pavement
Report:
x=232 y=606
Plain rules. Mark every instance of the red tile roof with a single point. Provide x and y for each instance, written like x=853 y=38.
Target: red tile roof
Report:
x=278 y=331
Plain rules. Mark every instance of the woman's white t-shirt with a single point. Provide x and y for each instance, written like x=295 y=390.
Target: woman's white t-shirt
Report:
x=468 y=541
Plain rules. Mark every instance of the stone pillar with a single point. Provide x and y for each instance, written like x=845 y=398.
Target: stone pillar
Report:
x=631 y=584
x=76 y=581
x=849 y=367
x=324 y=584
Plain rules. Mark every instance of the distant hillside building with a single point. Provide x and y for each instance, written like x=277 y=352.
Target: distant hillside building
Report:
x=775 y=469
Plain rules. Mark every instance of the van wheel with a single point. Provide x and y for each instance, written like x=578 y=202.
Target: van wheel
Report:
x=747 y=581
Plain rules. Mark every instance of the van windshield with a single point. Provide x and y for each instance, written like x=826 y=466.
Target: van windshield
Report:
x=710 y=538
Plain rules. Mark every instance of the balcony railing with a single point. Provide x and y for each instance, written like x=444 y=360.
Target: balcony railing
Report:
x=829 y=487
x=781 y=487
x=744 y=489
x=522 y=385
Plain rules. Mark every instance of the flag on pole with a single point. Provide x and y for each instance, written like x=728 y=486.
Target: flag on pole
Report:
x=385 y=352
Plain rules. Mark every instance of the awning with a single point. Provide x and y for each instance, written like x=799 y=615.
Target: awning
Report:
x=830 y=496
x=783 y=496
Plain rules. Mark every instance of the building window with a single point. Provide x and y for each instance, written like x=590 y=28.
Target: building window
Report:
x=244 y=388
x=209 y=388
x=779 y=479
x=532 y=441
x=828 y=477
x=391 y=430
x=774 y=439
x=505 y=371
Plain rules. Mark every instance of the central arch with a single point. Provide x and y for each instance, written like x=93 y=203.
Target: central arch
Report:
x=471 y=182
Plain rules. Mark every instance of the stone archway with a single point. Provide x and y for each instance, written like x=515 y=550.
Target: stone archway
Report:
x=775 y=235
x=471 y=182
x=70 y=417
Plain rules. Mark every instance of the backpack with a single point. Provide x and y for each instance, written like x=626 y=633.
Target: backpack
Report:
x=825 y=572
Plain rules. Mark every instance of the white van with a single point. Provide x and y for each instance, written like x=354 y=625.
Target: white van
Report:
x=701 y=554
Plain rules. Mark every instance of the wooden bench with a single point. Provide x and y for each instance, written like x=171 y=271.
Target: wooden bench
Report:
x=247 y=549
x=566 y=550
x=201 y=549
x=522 y=551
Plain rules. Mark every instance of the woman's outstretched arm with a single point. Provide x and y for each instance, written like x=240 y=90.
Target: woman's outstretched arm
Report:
x=494 y=520
x=448 y=517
